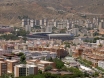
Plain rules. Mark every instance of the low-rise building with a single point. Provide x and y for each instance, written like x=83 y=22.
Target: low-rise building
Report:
x=25 y=70
x=4 y=29
x=42 y=64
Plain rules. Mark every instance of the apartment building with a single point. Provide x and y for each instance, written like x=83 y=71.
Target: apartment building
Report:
x=24 y=22
x=49 y=29
x=77 y=52
x=101 y=64
x=41 y=64
x=60 y=51
x=4 y=29
x=1 y=59
x=10 y=65
x=93 y=58
x=3 y=68
x=94 y=55
x=61 y=24
x=28 y=28
x=90 y=52
x=25 y=70
x=74 y=31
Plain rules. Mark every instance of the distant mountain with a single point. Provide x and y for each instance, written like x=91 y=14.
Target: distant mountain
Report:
x=12 y=11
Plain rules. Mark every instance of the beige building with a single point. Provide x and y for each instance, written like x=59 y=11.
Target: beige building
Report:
x=25 y=70
x=41 y=64
x=10 y=65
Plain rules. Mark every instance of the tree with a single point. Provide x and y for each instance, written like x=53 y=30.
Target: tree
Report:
x=49 y=67
x=39 y=72
x=5 y=76
x=67 y=44
x=54 y=29
x=63 y=31
x=64 y=68
x=22 y=32
x=95 y=34
x=20 y=54
x=37 y=27
x=100 y=45
x=47 y=75
x=9 y=37
x=38 y=76
x=11 y=75
x=50 y=59
x=76 y=72
x=23 y=59
x=59 y=63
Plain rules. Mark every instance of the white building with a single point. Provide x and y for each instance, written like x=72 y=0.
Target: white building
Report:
x=101 y=64
x=28 y=28
x=32 y=23
x=43 y=54
x=74 y=31
x=49 y=29
x=40 y=21
x=101 y=25
x=44 y=22
x=100 y=42
x=24 y=22
x=77 y=41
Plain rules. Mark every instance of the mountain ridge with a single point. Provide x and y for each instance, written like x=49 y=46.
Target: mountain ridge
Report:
x=12 y=11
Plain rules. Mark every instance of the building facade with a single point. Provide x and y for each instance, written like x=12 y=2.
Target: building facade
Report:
x=25 y=70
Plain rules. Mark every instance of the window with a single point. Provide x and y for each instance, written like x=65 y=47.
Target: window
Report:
x=22 y=72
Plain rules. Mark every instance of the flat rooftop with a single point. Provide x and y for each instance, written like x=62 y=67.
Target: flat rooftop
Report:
x=2 y=62
x=25 y=65
x=11 y=60
x=59 y=34
x=45 y=61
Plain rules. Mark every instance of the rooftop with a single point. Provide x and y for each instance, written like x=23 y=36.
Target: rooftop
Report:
x=2 y=62
x=45 y=61
x=58 y=34
x=25 y=65
x=11 y=60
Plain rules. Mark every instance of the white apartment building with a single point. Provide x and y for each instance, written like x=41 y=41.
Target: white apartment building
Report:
x=98 y=42
x=28 y=28
x=43 y=54
x=49 y=29
x=74 y=31
x=101 y=64
x=32 y=23
x=24 y=22
x=101 y=25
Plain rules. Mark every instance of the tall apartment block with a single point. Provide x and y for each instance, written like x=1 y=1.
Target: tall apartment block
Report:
x=3 y=68
x=25 y=70
x=101 y=25
x=40 y=22
x=32 y=23
x=45 y=22
x=28 y=28
x=24 y=22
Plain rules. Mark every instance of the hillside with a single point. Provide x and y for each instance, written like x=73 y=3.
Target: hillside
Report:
x=12 y=11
